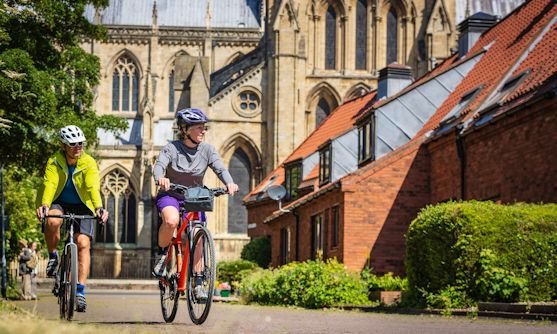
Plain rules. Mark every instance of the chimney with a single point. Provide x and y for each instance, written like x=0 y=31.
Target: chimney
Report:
x=393 y=79
x=471 y=29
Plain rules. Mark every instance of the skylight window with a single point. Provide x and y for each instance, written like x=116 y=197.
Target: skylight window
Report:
x=461 y=105
x=508 y=87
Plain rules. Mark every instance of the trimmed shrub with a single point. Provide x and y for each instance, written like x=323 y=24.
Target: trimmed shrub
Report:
x=233 y=271
x=387 y=282
x=258 y=250
x=260 y=287
x=482 y=251
x=311 y=284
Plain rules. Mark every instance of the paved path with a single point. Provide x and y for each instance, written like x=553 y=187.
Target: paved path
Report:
x=139 y=311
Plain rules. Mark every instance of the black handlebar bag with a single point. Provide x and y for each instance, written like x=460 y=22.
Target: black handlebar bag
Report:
x=198 y=199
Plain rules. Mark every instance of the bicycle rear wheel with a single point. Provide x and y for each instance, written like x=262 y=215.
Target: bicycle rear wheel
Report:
x=168 y=285
x=204 y=272
x=68 y=282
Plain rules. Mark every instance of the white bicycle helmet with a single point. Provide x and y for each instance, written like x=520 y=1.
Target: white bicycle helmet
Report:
x=71 y=134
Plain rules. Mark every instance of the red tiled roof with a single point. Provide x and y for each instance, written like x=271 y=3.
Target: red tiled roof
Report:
x=334 y=125
x=506 y=42
x=542 y=62
x=339 y=121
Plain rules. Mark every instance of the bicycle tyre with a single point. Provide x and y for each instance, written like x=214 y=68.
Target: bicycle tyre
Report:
x=68 y=282
x=199 y=310
x=168 y=286
x=71 y=280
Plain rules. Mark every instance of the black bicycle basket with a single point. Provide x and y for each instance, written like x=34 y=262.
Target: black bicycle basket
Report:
x=198 y=199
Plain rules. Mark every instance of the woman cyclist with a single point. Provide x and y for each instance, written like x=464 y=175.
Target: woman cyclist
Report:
x=71 y=184
x=184 y=162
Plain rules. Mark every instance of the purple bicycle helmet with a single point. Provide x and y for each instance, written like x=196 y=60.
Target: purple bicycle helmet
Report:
x=190 y=116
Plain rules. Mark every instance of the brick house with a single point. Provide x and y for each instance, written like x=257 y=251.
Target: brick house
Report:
x=481 y=125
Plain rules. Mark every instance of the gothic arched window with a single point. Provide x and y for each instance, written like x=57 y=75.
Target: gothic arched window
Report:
x=361 y=35
x=171 y=91
x=330 y=39
x=392 y=36
x=125 y=85
x=323 y=110
x=119 y=199
x=240 y=169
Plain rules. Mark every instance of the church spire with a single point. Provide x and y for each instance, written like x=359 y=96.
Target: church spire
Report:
x=208 y=16
x=155 y=14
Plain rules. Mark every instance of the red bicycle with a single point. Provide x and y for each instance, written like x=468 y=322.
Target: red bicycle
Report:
x=189 y=266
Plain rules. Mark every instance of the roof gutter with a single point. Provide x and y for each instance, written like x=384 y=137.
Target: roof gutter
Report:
x=301 y=202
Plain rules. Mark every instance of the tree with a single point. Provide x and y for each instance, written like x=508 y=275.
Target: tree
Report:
x=46 y=82
x=46 y=78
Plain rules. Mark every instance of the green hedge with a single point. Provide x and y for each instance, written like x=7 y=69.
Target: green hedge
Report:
x=463 y=252
x=387 y=282
x=234 y=271
x=311 y=284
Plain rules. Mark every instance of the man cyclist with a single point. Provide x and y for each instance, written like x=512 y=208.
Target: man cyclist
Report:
x=184 y=162
x=71 y=184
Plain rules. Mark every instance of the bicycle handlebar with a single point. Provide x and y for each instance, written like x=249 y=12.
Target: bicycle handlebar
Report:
x=72 y=216
x=216 y=191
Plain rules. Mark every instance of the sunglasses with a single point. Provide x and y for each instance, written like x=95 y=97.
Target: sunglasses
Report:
x=201 y=128
x=79 y=144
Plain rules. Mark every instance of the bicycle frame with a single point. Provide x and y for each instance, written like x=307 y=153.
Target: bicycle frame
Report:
x=191 y=266
x=188 y=223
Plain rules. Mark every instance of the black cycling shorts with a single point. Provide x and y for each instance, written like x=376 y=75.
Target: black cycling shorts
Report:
x=87 y=226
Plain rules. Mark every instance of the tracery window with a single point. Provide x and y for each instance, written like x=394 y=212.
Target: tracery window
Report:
x=240 y=170
x=361 y=35
x=323 y=110
x=125 y=85
x=330 y=39
x=392 y=36
x=171 y=91
x=119 y=199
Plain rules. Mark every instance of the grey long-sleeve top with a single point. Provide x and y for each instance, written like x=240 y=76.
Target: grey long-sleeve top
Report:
x=187 y=166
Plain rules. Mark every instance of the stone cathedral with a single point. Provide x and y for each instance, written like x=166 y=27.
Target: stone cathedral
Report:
x=266 y=72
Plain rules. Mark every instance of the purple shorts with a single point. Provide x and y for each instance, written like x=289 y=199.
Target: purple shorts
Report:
x=164 y=200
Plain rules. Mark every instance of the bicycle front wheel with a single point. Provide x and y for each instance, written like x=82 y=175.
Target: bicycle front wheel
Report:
x=201 y=276
x=68 y=284
x=168 y=285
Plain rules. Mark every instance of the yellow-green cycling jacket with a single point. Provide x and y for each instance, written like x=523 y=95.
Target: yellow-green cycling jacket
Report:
x=85 y=178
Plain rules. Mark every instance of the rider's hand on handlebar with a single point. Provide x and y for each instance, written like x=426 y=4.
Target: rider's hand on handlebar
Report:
x=232 y=188
x=42 y=211
x=103 y=215
x=164 y=183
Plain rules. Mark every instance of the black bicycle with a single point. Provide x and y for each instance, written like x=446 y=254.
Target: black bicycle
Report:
x=65 y=283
